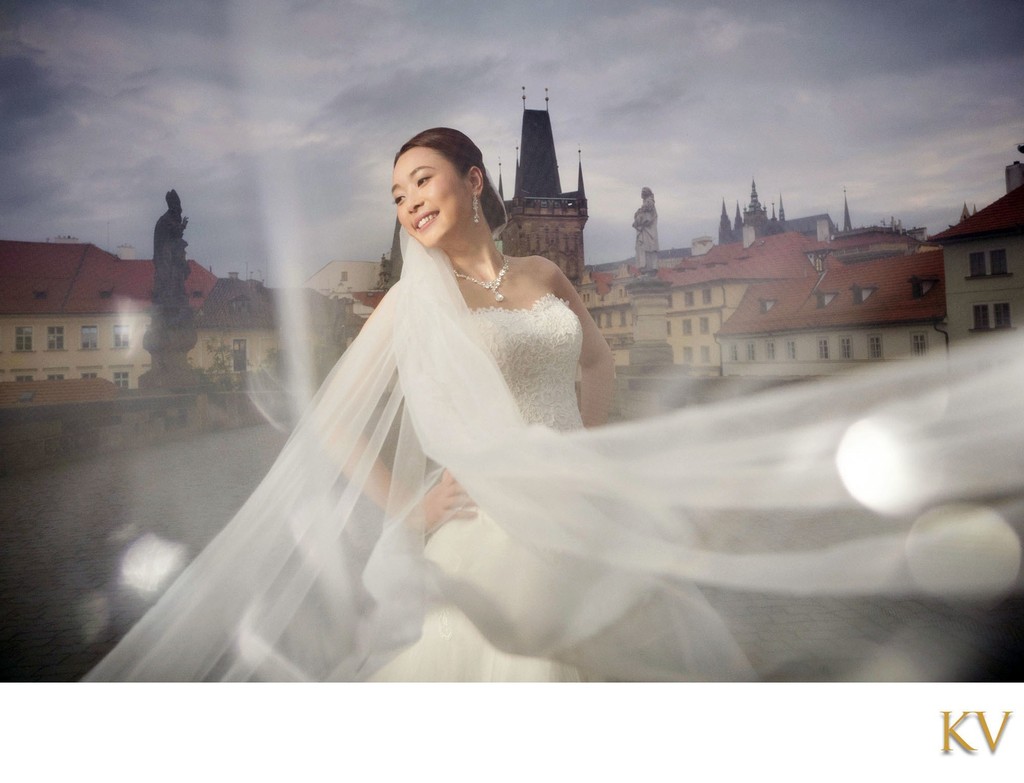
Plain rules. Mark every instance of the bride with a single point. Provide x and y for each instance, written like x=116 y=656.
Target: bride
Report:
x=448 y=509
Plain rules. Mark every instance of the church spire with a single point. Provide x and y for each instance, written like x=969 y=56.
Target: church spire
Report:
x=754 y=203
x=737 y=224
x=579 y=177
x=782 y=210
x=847 y=226
x=501 y=189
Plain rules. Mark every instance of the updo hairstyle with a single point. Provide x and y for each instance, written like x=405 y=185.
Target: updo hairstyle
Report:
x=459 y=150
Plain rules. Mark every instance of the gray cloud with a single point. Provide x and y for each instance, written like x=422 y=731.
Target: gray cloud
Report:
x=274 y=116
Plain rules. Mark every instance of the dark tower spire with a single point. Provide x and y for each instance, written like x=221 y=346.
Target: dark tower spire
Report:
x=579 y=176
x=542 y=220
x=538 y=164
x=737 y=224
x=501 y=189
x=847 y=226
x=724 y=227
x=782 y=210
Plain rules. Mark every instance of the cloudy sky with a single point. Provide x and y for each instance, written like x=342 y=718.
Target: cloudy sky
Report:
x=277 y=121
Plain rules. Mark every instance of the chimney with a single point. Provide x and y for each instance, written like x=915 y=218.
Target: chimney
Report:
x=701 y=245
x=749 y=236
x=1014 y=176
x=823 y=234
x=126 y=252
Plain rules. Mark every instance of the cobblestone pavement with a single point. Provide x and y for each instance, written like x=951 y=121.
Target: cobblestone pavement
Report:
x=64 y=532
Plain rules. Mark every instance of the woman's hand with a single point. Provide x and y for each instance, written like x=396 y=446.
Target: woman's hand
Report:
x=446 y=500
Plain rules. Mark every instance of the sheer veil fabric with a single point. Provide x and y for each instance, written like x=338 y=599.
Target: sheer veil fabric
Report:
x=899 y=482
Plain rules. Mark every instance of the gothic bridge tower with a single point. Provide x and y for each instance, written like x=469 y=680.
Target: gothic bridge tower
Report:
x=543 y=220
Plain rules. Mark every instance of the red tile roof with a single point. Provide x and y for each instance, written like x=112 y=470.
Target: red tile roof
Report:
x=796 y=302
x=1004 y=215
x=23 y=393
x=603 y=281
x=54 y=277
x=769 y=258
x=369 y=298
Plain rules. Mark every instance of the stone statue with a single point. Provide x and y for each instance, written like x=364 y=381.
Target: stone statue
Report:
x=645 y=221
x=170 y=268
x=171 y=333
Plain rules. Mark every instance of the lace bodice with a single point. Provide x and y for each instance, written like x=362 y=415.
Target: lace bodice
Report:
x=537 y=350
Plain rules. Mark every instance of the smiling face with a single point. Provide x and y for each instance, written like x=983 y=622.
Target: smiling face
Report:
x=434 y=201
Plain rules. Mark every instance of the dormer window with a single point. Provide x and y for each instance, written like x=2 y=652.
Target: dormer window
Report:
x=921 y=286
x=767 y=304
x=825 y=298
x=861 y=293
x=240 y=305
x=39 y=294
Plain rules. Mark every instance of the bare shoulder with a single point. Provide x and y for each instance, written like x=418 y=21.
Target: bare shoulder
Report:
x=543 y=270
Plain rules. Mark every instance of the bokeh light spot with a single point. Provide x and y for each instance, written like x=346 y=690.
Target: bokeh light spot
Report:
x=876 y=468
x=963 y=549
x=150 y=562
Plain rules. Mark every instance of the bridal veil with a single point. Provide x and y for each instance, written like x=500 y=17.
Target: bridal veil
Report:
x=902 y=481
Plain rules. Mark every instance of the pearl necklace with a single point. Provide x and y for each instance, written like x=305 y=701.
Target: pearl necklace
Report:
x=492 y=285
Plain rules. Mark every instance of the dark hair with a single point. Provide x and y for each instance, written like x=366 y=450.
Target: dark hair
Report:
x=459 y=150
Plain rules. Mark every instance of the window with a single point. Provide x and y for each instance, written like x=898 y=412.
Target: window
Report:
x=687 y=326
x=121 y=379
x=705 y=354
x=90 y=338
x=122 y=336
x=57 y=376
x=751 y=352
x=688 y=355
x=622 y=318
x=769 y=349
x=23 y=378
x=918 y=344
x=668 y=327
x=977 y=263
x=791 y=349
x=846 y=347
x=23 y=338
x=705 y=296
x=87 y=375
x=1001 y=315
x=997 y=260
x=981 y=317
x=996 y=263
x=767 y=304
x=704 y=326
x=688 y=298
x=822 y=347
x=55 y=338
x=875 y=346
x=238 y=360
x=734 y=352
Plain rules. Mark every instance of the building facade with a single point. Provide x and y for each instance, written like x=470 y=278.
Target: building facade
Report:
x=846 y=316
x=71 y=311
x=984 y=268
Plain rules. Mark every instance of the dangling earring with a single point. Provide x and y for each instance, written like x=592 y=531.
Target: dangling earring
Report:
x=476 y=208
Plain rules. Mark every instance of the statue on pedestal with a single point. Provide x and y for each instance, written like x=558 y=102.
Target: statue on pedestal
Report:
x=171 y=332
x=645 y=221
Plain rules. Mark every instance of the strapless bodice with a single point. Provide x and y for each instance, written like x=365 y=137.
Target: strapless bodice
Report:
x=537 y=349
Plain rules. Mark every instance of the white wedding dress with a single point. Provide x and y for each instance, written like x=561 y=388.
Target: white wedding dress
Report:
x=537 y=349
